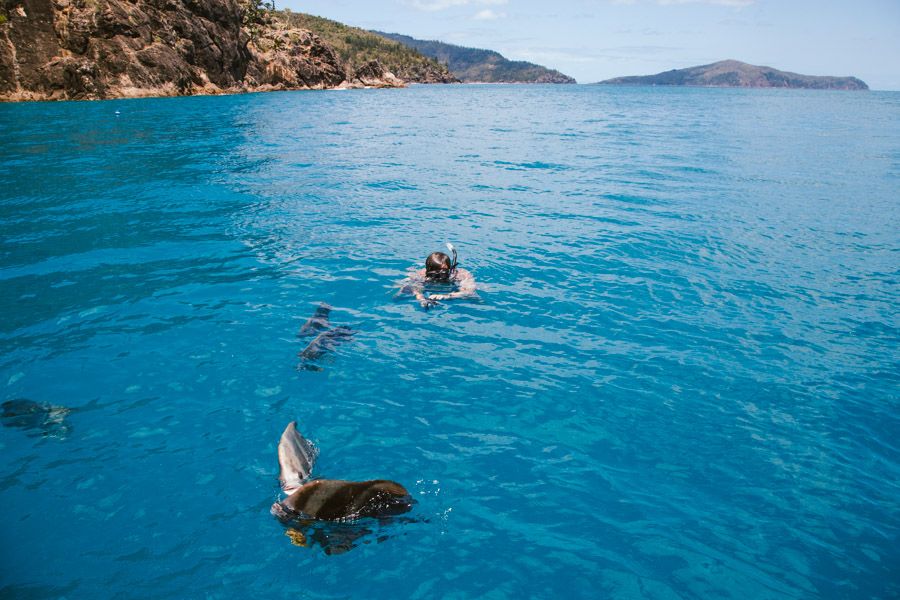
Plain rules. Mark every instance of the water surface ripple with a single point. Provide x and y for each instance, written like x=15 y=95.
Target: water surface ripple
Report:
x=680 y=379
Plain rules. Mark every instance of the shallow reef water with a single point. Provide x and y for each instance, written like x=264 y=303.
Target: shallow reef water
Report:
x=679 y=378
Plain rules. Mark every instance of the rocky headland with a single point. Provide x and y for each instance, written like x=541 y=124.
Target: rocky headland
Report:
x=733 y=73
x=359 y=47
x=474 y=65
x=95 y=49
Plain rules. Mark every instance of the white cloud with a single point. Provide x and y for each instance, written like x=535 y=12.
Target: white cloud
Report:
x=549 y=56
x=437 y=5
x=488 y=15
x=734 y=3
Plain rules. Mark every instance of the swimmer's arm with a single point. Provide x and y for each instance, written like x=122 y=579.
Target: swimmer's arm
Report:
x=416 y=288
x=425 y=302
x=466 y=285
x=409 y=287
x=412 y=284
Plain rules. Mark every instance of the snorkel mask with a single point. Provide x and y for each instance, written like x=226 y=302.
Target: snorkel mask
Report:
x=439 y=267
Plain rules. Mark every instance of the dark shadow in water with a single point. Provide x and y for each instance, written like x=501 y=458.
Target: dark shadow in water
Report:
x=29 y=591
x=340 y=537
x=36 y=418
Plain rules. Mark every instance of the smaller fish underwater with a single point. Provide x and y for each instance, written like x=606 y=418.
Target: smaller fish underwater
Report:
x=326 y=339
x=331 y=513
x=36 y=418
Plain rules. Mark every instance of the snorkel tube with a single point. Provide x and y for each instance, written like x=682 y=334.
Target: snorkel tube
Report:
x=455 y=258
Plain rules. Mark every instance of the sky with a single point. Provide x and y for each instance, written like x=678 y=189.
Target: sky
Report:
x=592 y=40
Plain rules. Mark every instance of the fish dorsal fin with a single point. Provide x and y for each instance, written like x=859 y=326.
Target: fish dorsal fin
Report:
x=296 y=456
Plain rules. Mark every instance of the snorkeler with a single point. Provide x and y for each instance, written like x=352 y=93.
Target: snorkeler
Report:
x=440 y=270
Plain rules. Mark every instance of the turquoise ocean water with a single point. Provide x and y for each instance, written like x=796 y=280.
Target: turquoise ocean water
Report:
x=680 y=378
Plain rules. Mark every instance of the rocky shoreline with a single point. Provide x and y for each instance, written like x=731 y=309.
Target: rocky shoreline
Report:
x=97 y=49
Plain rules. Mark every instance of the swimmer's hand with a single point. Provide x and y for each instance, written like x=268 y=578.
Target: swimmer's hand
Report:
x=427 y=303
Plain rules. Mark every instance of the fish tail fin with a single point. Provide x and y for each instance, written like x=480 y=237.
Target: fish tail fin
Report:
x=296 y=457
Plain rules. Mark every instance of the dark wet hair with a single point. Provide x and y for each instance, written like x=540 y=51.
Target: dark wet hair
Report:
x=437 y=262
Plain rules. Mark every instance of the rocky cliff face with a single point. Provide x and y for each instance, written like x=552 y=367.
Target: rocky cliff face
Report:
x=358 y=48
x=291 y=59
x=90 y=49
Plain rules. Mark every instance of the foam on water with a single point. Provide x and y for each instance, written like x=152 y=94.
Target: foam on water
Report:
x=679 y=379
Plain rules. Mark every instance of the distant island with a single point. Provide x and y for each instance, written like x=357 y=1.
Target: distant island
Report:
x=733 y=73
x=474 y=65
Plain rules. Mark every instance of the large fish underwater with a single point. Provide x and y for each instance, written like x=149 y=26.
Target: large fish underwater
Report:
x=331 y=513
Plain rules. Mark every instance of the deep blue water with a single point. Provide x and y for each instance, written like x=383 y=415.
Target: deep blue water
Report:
x=680 y=378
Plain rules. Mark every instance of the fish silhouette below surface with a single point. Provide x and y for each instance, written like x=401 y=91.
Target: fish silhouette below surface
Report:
x=326 y=339
x=37 y=418
x=325 y=342
x=312 y=504
x=317 y=322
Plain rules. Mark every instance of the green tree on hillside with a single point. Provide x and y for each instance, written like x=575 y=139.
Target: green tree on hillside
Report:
x=255 y=13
